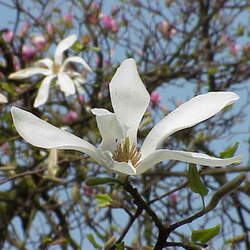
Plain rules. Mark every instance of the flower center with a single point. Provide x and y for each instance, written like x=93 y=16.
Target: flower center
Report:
x=56 y=68
x=126 y=152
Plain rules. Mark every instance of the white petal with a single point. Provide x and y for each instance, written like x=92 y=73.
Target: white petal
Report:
x=129 y=96
x=76 y=59
x=66 y=84
x=62 y=46
x=25 y=73
x=189 y=157
x=187 y=115
x=123 y=168
x=43 y=92
x=111 y=131
x=42 y=134
x=3 y=99
x=45 y=62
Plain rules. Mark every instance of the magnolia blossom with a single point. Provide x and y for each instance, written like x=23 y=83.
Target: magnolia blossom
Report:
x=118 y=150
x=56 y=69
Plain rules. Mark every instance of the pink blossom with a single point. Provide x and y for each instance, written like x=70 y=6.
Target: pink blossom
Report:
x=7 y=36
x=68 y=18
x=50 y=28
x=70 y=116
x=109 y=23
x=24 y=28
x=39 y=42
x=27 y=53
x=155 y=98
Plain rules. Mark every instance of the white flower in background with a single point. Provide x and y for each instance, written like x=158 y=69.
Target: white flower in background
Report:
x=55 y=69
x=118 y=151
x=3 y=99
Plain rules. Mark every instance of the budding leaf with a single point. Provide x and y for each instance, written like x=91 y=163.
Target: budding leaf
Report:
x=229 y=152
x=195 y=182
x=100 y=181
x=77 y=47
x=91 y=239
x=204 y=235
x=103 y=200
x=119 y=246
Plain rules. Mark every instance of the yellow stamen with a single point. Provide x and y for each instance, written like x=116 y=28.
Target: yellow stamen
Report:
x=56 y=69
x=126 y=152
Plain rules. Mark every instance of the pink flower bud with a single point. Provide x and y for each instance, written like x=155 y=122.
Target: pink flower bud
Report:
x=155 y=98
x=7 y=36
x=166 y=28
x=109 y=23
x=88 y=191
x=114 y=9
x=24 y=28
x=50 y=28
x=81 y=98
x=4 y=148
x=39 y=42
x=233 y=48
x=68 y=18
x=173 y=199
x=70 y=116
x=27 y=53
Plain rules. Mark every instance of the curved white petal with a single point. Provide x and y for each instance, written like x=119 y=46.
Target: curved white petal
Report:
x=123 y=168
x=111 y=131
x=66 y=84
x=3 y=99
x=187 y=115
x=62 y=46
x=189 y=157
x=76 y=59
x=25 y=73
x=43 y=92
x=42 y=134
x=129 y=96
x=45 y=62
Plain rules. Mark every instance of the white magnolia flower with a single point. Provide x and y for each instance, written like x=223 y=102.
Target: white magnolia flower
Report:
x=56 y=69
x=3 y=99
x=118 y=150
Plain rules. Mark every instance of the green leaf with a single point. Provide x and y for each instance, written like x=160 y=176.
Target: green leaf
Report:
x=230 y=151
x=77 y=47
x=91 y=239
x=96 y=49
x=119 y=246
x=204 y=235
x=100 y=181
x=7 y=87
x=195 y=182
x=103 y=200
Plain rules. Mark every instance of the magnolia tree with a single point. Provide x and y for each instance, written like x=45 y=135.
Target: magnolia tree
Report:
x=131 y=161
